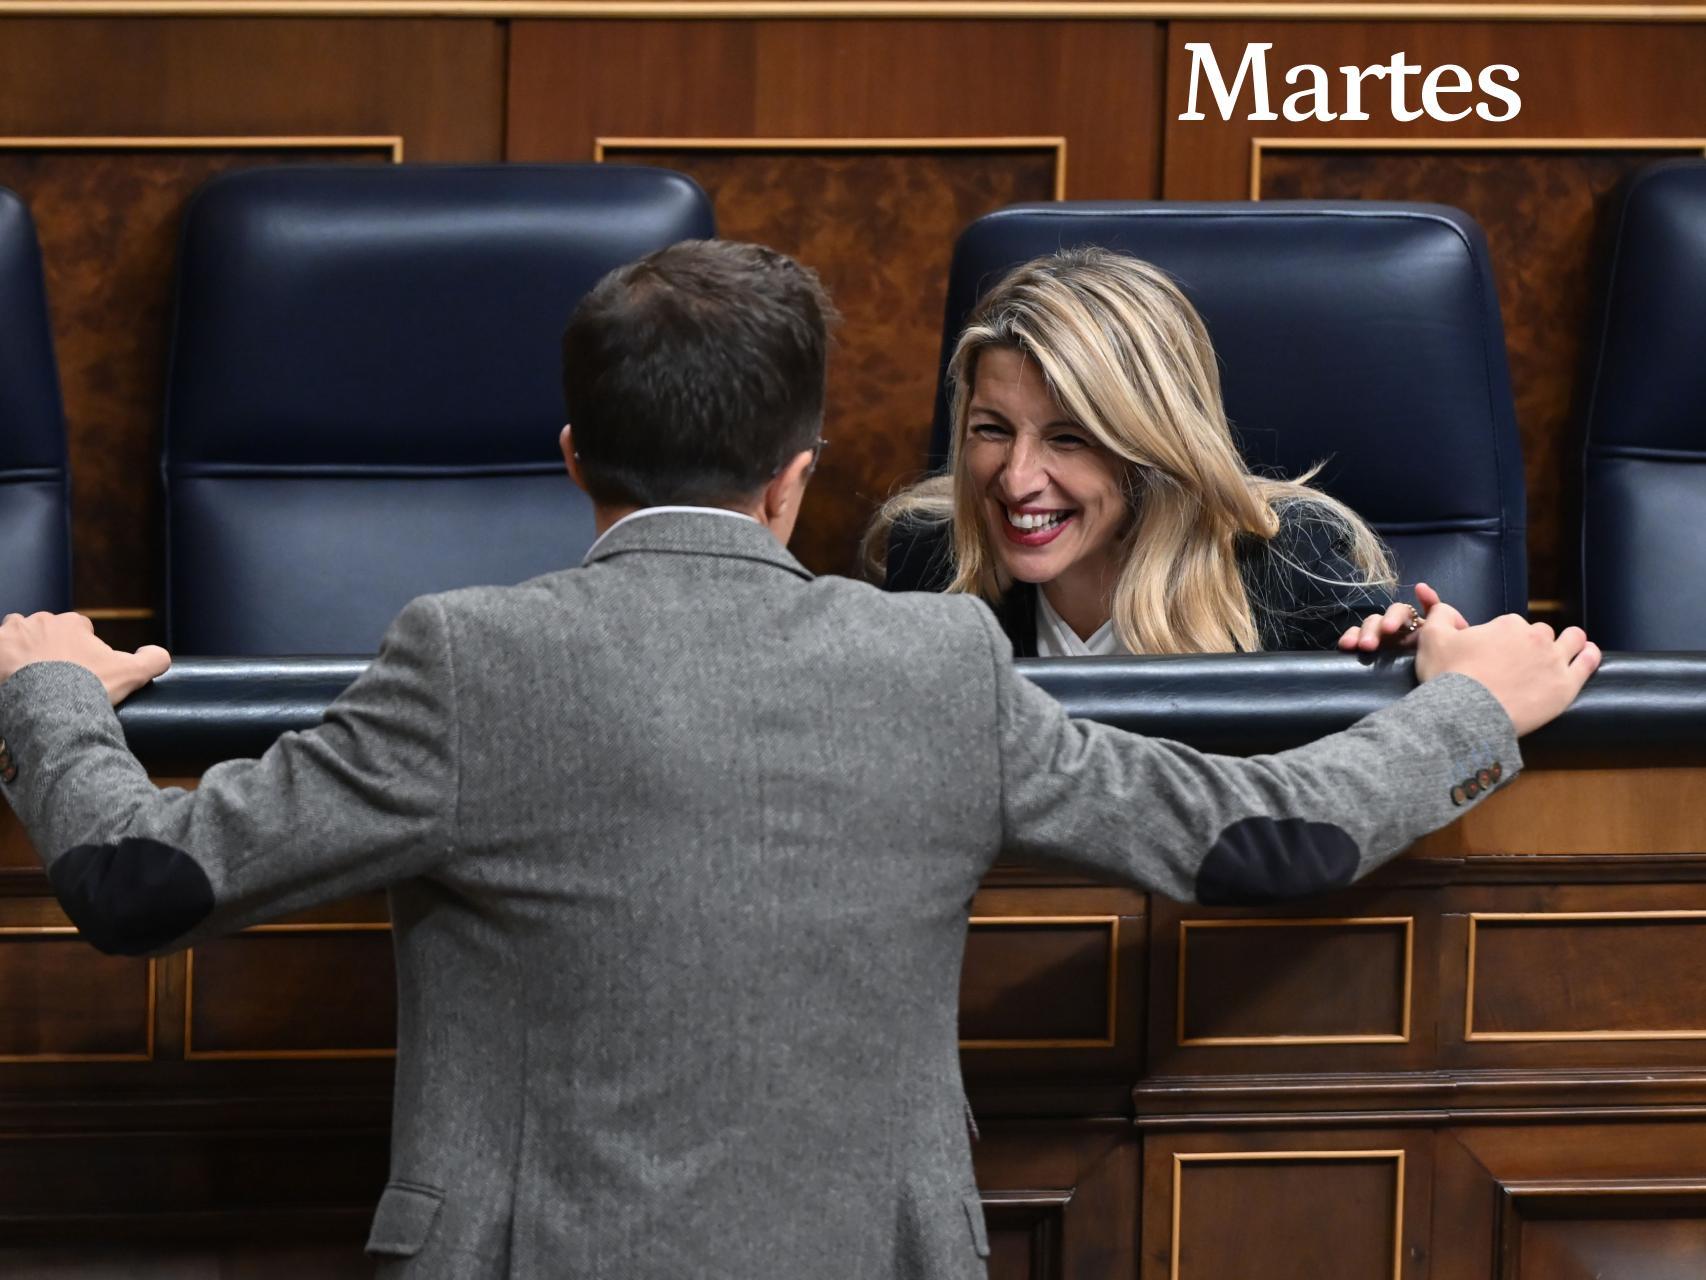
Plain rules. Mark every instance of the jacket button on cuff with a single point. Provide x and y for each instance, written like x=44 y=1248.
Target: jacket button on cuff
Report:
x=1457 y=796
x=8 y=772
x=1485 y=778
x=1472 y=788
x=1498 y=771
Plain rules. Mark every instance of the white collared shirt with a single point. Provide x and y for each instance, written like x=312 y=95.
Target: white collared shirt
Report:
x=659 y=511
x=1057 y=640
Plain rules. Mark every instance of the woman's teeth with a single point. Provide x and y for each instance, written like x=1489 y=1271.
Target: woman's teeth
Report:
x=1037 y=521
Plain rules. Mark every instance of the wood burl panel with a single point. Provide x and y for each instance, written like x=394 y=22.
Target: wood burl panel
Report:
x=108 y=223
x=1539 y=977
x=59 y=996
x=312 y=991
x=878 y=225
x=1279 y=1219
x=1542 y=211
x=1317 y=981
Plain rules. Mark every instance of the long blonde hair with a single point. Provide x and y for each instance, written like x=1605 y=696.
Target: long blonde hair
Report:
x=1128 y=359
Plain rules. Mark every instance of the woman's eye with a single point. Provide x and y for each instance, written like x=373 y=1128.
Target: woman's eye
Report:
x=1068 y=440
x=989 y=431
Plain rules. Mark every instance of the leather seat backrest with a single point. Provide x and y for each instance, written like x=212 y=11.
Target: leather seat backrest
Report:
x=365 y=391
x=1367 y=335
x=35 y=494
x=1644 y=481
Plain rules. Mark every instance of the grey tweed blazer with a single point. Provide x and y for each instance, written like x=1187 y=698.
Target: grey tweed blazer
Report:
x=679 y=846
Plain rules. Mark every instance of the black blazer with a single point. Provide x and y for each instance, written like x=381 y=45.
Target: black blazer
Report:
x=1294 y=609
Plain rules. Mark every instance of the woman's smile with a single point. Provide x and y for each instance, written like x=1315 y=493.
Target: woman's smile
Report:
x=1035 y=528
x=1054 y=498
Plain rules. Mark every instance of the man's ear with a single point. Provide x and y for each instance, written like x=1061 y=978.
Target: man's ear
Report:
x=783 y=494
x=566 y=442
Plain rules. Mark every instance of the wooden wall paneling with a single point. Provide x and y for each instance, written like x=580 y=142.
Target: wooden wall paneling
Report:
x=1584 y=1229
x=1582 y=811
x=574 y=81
x=62 y=1001
x=1579 y=81
x=106 y=128
x=323 y=990
x=1059 y=1199
x=1344 y=984
x=1051 y=1001
x=75 y=1192
x=1041 y=982
x=1563 y=977
x=261 y=1258
x=438 y=83
x=1624 y=95
x=869 y=146
x=1570 y=1202
x=1621 y=949
x=1305 y=1205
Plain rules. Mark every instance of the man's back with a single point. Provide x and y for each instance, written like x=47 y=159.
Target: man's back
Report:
x=696 y=954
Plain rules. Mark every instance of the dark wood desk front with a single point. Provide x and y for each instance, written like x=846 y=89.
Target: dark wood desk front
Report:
x=1488 y=1061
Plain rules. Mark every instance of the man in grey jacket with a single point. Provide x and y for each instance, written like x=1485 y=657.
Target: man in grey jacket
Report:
x=680 y=842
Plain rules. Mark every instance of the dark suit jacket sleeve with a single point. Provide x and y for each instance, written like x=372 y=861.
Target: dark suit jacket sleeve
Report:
x=1304 y=587
x=366 y=798
x=1232 y=831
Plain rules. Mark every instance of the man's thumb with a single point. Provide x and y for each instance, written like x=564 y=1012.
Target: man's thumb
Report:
x=1443 y=617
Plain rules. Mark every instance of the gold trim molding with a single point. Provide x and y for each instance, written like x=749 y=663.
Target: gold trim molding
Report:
x=600 y=146
x=46 y=932
x=1403 y=1035
x=192 y=1054
x=1182 y=1158
x=205 y=142
x=1548 y=917
x=689 y=10
x=1113 y=926
x=1305 y=143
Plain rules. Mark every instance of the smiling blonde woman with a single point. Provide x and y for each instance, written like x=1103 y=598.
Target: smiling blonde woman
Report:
x=1096 y=499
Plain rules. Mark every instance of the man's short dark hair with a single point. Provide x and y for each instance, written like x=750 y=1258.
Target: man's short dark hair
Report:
x=693 y=375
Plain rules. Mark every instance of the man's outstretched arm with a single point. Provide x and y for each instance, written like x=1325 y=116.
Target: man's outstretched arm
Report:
x=364 y=799
x=1233 y=831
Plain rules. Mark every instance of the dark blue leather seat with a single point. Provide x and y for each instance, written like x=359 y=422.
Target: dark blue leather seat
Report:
x=1644 y=487
x=35 y=496
x=365 y=393
x=1365 y=334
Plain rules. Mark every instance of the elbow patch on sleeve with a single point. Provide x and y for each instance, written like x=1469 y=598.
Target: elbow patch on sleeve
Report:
x=132 y=896
x=1261 y=860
